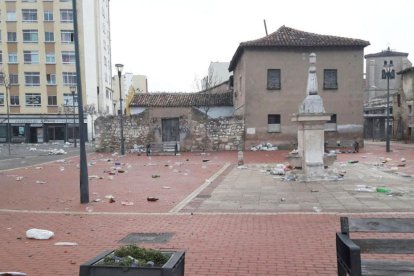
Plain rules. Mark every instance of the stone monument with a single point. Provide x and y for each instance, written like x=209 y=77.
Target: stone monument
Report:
x=311 y=120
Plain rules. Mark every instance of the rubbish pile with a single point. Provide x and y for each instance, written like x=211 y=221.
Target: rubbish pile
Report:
x=138 y=149
x=57 y=152
x=264 y=147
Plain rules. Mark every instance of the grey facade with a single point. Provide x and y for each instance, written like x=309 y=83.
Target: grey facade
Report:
x=375 y=94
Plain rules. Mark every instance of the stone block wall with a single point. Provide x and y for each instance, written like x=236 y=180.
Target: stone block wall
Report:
x=197 y=133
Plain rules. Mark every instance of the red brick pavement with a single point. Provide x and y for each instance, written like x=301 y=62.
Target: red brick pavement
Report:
x=215 y=244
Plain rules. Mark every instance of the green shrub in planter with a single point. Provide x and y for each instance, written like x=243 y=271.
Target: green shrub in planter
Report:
x=133 y=260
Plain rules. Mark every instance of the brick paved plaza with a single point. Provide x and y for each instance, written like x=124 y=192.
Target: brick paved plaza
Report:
x=229 y=221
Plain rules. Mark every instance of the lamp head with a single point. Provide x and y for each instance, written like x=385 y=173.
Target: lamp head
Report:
x=72 y=90
x=119 y=67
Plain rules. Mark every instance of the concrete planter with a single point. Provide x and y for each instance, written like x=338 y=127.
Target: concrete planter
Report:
x=173 y=267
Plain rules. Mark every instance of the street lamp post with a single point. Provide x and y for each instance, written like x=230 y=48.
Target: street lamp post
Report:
x=119 y=68
x=72 y=90
x=6 y=84
x=84 y=182
x=389 y=71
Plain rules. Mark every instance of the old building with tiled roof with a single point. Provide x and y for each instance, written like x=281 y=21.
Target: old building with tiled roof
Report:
x=270 y=75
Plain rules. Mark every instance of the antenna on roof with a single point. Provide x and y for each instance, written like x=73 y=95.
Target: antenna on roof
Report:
x=264 y=22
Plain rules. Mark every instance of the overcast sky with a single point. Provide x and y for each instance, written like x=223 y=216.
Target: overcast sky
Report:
x=172 y=42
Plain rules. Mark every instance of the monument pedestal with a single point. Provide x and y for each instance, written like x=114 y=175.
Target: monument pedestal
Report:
x=311 y=144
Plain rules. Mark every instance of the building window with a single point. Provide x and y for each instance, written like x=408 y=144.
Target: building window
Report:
x=273 y=79
x=31 y=57
x=33 y=99
x=11 y=37
x=273 y=123
x=29 y=1
x=13 y=58
x=331 y=124
x=29 y=15
x=66 y=36
x=48 y=15
x=50 y=58
x=1 y=57
x=51 y=79
x=410 y=109
x=398 y=100
x=14 y=79
x=14 y=100
x=32 y=78
x=11 y=16
x=30 y=36
x=68 y=57
x=66 y=15
x=330 y=79
x=51 y=100
x=69 y=78
x=68 y=99
x=1 y=98
x=49 y=37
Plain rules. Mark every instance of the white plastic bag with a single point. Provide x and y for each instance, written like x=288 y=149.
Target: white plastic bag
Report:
x=39 y=234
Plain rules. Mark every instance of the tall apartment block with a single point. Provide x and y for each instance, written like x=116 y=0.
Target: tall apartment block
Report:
x=37 y=62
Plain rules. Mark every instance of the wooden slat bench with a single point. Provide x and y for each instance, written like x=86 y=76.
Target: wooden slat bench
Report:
x=162 y=148
x=349 y=250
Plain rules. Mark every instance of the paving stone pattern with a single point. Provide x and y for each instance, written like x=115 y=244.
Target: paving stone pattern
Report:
x=237 y=226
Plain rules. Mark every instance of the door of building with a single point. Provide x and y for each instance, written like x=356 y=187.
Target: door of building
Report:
x=170 y=130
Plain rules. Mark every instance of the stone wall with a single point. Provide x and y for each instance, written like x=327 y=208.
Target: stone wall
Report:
x=197 y=133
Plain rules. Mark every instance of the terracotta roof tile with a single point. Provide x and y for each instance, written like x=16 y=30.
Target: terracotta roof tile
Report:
x=181 y=99
x=387 y=53
x=289 y=37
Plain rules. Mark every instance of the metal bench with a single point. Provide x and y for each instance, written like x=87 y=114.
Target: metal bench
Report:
x=349 y=250
x=163 y=148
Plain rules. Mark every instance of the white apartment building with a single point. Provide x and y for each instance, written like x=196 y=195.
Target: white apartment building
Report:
x=37 y=57
x=218 y=72
x=130 y=84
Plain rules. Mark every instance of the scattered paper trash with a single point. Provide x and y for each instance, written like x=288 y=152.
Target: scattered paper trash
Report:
x=66 y=243
x=39 y=234
x=127 y=203
x=317 y=209
x=89 y=209
x=39 y=168
x=166 y=187
x=19 y=178
x=403 y=159
x=365 y=188
x=93 y=177
x=353 y=161
x=12 y=273
x=40 y=182
x=155 y=176
x=62 y=169
x=57 y=152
